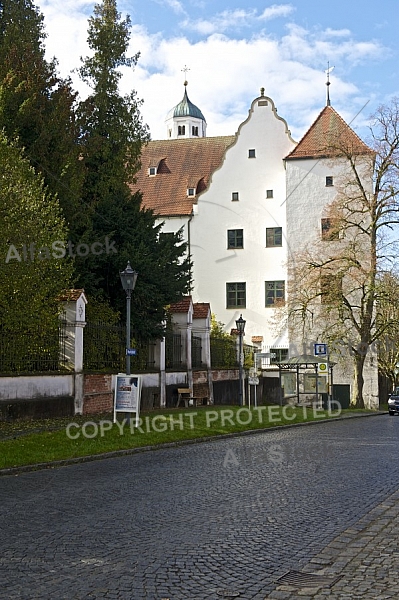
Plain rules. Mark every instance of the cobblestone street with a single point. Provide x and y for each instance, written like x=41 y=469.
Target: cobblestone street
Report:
x=221 y=519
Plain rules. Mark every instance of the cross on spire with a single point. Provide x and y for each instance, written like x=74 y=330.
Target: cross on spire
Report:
x=329 y=69
x=185 y=69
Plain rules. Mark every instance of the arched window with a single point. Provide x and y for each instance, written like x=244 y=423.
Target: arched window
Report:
x=194 y=130
x=181 y=130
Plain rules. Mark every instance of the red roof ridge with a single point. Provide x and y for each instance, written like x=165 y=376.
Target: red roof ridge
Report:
x=201 y=310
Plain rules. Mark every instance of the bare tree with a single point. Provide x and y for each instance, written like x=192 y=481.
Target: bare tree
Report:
x=388 y=317
x=334 y=281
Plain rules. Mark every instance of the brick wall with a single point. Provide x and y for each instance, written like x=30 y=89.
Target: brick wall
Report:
x=97 y=394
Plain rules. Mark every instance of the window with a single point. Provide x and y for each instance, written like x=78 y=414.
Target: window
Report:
x=181 y=130
x=194 y=130
x=235 y=295
x=251 y=153
x=269 y=193
x=329 y=230
x=274 y=293
x=234 y=196
x=166 y=236
x=281 y=354
x=274 y=237
x=235 y=238
x=191 y=192
x=330 y=288
x=152 y=171
x=329 y=181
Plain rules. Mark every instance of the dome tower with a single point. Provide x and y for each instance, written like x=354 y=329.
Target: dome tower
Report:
x=185 y=120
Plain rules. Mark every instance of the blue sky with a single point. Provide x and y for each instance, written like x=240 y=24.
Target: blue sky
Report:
x=234 y=48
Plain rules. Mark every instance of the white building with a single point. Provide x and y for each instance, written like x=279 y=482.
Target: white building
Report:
x=247 y=203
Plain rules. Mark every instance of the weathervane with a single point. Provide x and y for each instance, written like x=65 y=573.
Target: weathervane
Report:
x=185 y=74
x=329 y=69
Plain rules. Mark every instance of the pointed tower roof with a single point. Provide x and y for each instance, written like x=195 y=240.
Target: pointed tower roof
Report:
x=329 y=136
x=185 y=108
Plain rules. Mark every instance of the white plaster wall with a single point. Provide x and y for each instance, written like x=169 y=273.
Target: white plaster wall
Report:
x=307 y=198
x=40 y=386
x=214 y=264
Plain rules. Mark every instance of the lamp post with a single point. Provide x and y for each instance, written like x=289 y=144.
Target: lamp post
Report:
x=128 y=279
x=240 y=323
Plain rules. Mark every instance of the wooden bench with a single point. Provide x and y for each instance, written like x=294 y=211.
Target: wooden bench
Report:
x=186 y=395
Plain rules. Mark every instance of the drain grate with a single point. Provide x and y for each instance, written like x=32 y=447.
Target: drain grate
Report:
x=228 y=594
x=299 y=579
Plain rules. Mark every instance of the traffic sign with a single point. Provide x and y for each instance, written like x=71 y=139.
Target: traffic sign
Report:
x=320 y=349
x=265 y=355
x=131 y=351
x=253 y=380
x=322 y=367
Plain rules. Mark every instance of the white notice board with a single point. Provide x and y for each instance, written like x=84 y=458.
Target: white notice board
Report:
x=127 y=395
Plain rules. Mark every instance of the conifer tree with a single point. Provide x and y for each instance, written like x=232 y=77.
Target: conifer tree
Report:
x=36 y=106
x=112 y=134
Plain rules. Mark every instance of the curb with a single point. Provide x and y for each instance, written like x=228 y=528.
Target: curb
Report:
x=129 y=451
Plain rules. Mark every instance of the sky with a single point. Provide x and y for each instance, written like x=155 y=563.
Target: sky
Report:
x=232 y=48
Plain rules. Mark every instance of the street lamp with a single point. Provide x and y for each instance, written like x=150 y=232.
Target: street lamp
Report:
x=240 y=323
x=128 y=279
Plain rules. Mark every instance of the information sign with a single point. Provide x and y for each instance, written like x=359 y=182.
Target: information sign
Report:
x=127 y=395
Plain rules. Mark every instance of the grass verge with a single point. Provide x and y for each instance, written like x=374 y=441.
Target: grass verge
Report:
x=33 y=442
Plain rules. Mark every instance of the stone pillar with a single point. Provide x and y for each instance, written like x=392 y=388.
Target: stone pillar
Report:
x=74 y=302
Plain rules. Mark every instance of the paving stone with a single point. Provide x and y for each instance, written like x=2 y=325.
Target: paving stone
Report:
x=175 y=523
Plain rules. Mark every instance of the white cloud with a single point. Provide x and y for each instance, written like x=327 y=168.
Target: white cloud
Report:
x=235 y=19
x=175 y=5
x=225 y=74
x=276 y=10
x=228 y=19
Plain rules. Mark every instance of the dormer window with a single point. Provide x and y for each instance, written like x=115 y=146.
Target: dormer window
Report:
x=329 y=181
x=152 y=171
x=190 y=191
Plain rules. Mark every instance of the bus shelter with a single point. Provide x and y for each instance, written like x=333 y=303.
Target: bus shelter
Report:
x=306 y=378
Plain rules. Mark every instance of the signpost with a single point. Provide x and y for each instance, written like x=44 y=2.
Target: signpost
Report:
x=127 y=395
x=323 y=367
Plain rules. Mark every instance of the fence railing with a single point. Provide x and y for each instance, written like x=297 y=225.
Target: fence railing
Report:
x=223 y=354
x=34 y=350
x=173 y=351
x=104 y=349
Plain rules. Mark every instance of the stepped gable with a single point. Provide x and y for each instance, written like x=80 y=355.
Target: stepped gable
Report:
x=180 y=164
x=329 y=136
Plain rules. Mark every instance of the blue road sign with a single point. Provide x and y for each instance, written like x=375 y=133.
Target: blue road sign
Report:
x=131 y=351
x=320 y=349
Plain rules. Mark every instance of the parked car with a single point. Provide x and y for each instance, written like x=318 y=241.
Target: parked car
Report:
x=393 y=402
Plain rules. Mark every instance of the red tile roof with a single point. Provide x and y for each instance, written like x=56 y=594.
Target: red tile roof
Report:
x=71 y=295
x=181 y=164
x=182 y=306
x=327 y=137
x=201 y=310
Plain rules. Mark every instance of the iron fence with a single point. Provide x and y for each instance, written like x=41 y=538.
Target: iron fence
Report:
x=196 y=352
x=104 y=349
x=35 y=350
x=173 y=351
x=223 y=353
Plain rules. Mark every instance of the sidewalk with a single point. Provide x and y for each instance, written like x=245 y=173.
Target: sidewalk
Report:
x=365 y=558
